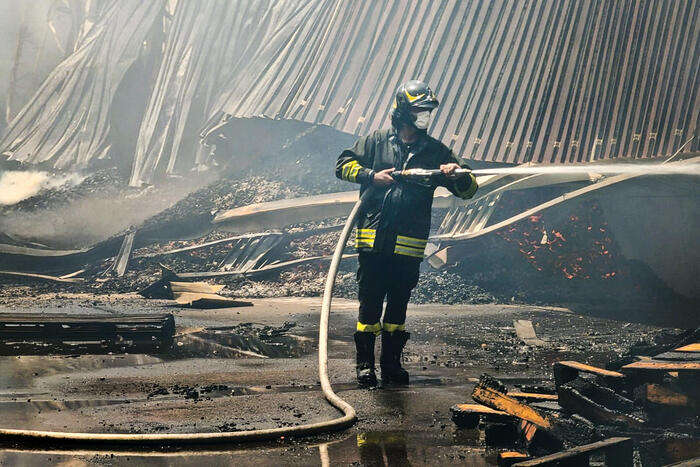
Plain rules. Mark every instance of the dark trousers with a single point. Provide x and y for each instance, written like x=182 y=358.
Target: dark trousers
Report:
x=385 y=276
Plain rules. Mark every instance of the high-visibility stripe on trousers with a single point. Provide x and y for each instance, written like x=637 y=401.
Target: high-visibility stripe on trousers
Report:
x=410 y=246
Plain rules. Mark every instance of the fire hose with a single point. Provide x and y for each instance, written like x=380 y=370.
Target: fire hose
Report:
x=346 y=420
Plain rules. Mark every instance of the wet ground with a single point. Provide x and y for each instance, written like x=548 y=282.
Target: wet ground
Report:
x=255 y=367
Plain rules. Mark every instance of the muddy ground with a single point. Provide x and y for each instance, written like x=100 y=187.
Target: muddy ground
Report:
x=205 y=383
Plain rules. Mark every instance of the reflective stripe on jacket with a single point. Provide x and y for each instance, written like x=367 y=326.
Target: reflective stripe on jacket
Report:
x=396 y=219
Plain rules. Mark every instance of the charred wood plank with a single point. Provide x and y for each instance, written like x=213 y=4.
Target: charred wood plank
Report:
x=618 y=452
x=573 y=400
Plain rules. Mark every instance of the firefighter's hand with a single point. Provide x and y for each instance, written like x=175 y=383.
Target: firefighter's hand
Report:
x=449 y=169
x=383 y=178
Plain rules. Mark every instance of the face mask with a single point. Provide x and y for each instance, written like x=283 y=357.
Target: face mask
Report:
x=422 y=119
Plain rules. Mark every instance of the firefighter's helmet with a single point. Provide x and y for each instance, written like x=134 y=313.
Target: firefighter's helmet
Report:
x=413 y=97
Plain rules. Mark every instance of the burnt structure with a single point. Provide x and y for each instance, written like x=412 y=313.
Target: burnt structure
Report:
x=518 y=81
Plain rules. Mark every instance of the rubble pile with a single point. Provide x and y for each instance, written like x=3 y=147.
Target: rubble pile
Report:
x=197 y=208
x=566 y=258
x=653 y=403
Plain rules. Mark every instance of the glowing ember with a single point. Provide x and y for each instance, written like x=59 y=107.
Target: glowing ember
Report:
x=579 y=249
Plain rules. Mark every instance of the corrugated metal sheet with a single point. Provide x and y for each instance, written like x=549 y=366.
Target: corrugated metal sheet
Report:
x=549 y=81
x=209 y=44
x=67 y=122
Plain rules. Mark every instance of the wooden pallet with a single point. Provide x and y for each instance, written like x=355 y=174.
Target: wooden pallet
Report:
x=60 y=333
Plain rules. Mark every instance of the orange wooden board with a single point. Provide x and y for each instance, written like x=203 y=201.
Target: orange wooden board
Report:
x=689 y=348
x=478 y=408
x=590 y=369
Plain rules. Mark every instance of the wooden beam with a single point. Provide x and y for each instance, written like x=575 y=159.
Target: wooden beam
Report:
x=618 y=452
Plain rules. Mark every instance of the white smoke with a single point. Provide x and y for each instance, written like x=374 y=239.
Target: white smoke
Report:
x=16 y=186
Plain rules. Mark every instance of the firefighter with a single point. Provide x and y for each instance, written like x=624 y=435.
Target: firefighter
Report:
x=394 y=224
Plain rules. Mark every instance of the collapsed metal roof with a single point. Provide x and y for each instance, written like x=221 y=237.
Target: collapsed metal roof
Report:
x=67 y=122
x=529 y=80
x=553 y=82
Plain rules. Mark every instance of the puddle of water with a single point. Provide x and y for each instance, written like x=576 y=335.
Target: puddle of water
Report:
x=399 y=448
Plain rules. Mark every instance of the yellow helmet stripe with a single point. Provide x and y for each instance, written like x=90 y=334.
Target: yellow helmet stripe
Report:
x=413 y=98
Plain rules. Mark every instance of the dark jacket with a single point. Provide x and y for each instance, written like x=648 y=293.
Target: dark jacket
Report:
x=396 y=219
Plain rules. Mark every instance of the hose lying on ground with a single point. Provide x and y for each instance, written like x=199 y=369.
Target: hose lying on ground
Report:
x=348 y=419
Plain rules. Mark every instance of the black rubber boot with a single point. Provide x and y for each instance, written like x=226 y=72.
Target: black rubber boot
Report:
x=364 y=343
x=390 y=359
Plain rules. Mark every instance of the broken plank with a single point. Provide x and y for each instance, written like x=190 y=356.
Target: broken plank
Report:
x=494 y=399
x=618 y=452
